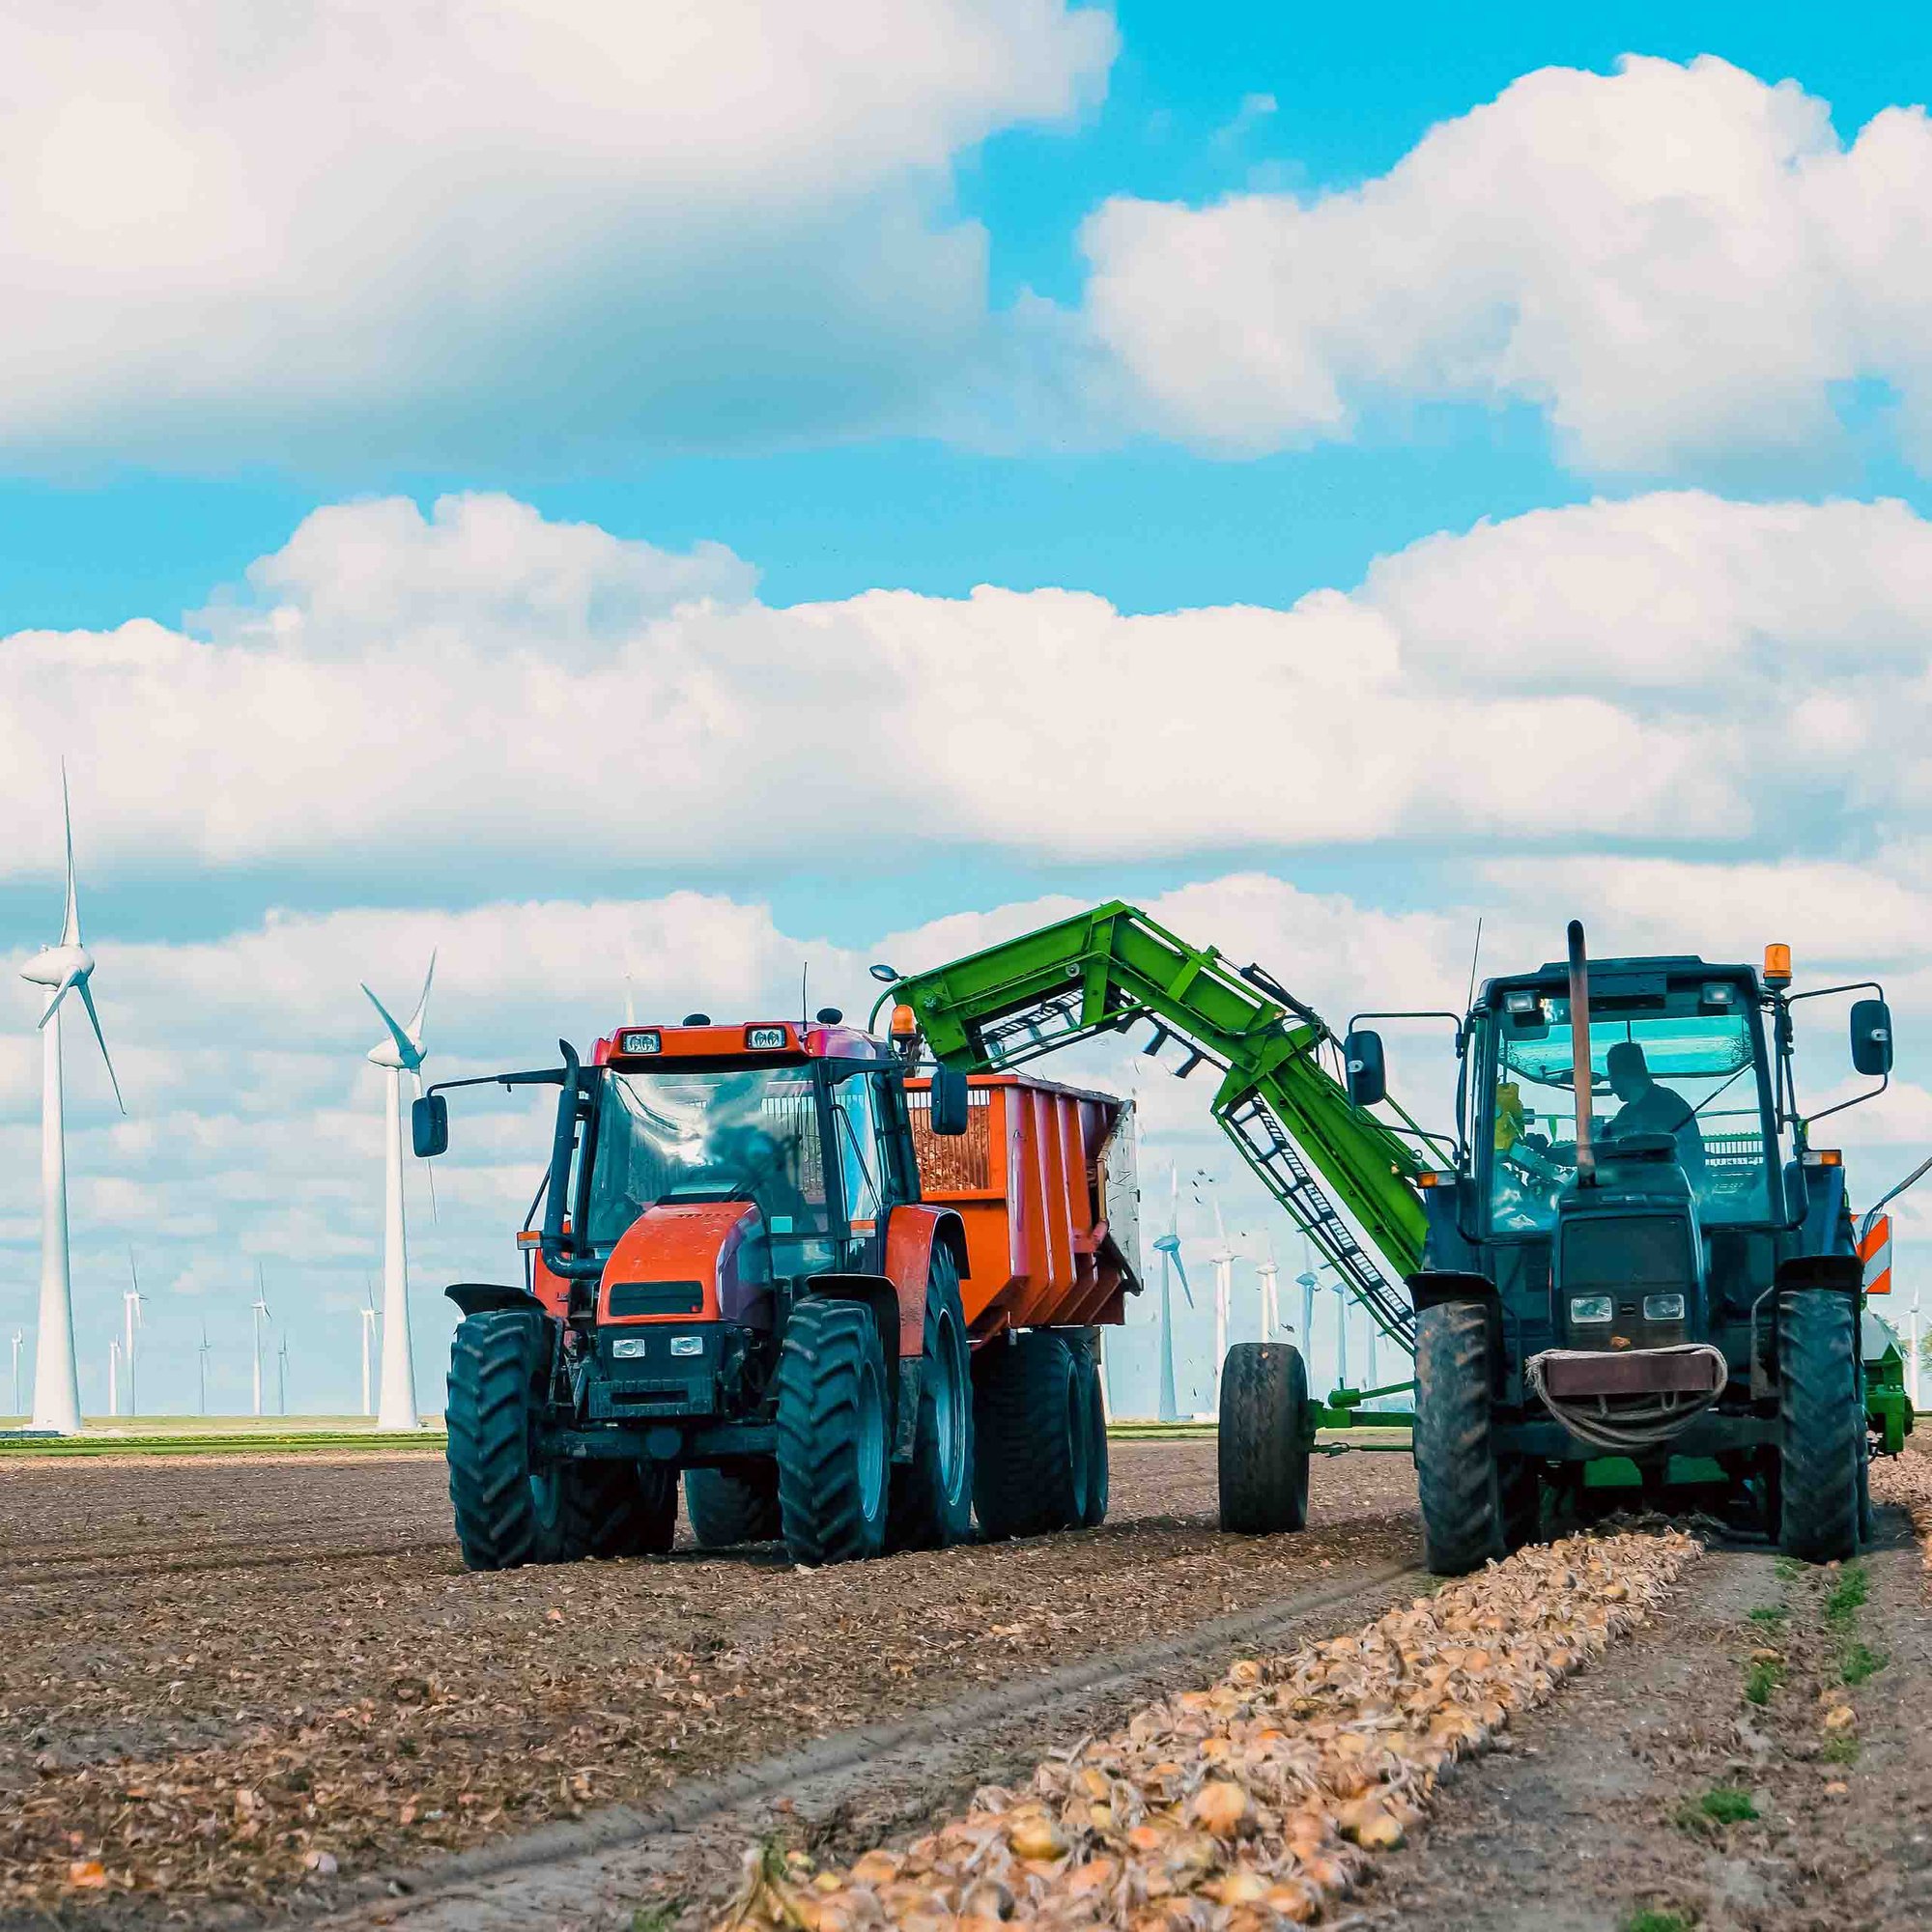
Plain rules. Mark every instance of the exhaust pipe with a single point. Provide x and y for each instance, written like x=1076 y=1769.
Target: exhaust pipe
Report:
x=1580 y=1052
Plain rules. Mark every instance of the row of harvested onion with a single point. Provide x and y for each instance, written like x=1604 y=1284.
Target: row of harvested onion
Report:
x=1907 y=1481
x=1251 y=1803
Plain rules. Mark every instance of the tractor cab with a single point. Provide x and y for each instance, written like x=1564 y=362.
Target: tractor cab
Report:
x=1645 y=1239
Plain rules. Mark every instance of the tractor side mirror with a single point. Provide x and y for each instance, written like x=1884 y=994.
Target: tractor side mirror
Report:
x=429 y=1125
x=1367 y=1069
x=948 y=1101
x=1871 y=1037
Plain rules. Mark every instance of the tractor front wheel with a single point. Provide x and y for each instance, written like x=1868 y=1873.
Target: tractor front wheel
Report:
x=832 y=1430
x=1456 y=1469
x=1824 y=1424
x=1263 y=1438
x=618 y=1509
x=932 y=1498
x=510 y=1508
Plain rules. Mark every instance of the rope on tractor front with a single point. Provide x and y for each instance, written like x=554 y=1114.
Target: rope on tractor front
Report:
x=1641 y=1425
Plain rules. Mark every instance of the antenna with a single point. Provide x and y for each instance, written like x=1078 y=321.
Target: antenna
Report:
x=1469 y=998
x=803 y=1001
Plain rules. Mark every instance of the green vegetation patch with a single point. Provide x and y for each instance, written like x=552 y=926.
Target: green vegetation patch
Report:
x=1764 y=1675
x=1848 y=1595
x=1721 y=1805
x=1656 y=1919
x=1860 y=1661
x=1771 y=1615
x=1840 y=1749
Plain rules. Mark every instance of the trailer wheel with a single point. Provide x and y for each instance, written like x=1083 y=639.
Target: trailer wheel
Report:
x=1030 y=1460
x=510 y=1509
x=930 y=1503
x=727 y=1509
x=618 y=1509
x=1454 y=1462
x=1263 y=1447
x=1824 y=1426
x=832 y=1434
x=1095 y=1473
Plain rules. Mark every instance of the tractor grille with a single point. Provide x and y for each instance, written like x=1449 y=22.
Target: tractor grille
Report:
x=656 y=1297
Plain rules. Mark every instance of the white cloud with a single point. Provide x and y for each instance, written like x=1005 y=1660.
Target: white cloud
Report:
x=428 y=230
x=467 y=697
x=1676 y=263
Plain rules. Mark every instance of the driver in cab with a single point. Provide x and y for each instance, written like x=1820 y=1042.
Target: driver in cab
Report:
x=1649 y=1108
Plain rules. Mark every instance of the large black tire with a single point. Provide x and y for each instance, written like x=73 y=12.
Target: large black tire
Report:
x=1095 y=1474
x=1455 y=1459
x=834 y=1433
x=726 y=1510
x=930 y=1503
x=618 y=1509
x=509 y=1510
x=1263 y=1447
x=1029 y=1460
x=1824 y=1424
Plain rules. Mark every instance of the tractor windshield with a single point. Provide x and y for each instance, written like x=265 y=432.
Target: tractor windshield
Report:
x=726 y=1134
x=1667 y=1064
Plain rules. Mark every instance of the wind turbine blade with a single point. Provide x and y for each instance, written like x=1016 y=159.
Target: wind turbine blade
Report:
x=87 y=999
x=59 y=993
x=70 y=924
x=422 y=1004
x=405 y=1045
x=1182 y=1273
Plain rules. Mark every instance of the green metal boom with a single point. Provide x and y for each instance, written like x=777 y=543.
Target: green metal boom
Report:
x=1290 y=1115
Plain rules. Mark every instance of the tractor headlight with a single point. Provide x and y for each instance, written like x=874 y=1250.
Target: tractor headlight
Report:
x=1585 y=1309
x=687 y=1345
x=630 y=1349
x=1663 y=1308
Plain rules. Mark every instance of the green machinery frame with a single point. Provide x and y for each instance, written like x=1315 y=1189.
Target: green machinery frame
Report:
x=1285 y=1108
x=1286 y=1112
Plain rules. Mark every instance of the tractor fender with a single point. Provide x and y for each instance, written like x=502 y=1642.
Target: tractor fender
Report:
x=487 y=1297
x=911 y=1231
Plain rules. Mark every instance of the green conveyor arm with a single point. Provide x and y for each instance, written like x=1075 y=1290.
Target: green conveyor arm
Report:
x=1291 y=1117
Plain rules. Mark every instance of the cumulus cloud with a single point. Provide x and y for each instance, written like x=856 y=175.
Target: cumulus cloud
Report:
x=1674 y=263
x=467 y=695
x=437 y=231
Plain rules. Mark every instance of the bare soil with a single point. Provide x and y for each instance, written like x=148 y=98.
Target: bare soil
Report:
x=229 y=1687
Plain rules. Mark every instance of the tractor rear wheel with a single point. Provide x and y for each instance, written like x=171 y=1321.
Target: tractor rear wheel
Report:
x=1262 y=1446
x=727 y=1509
x=1824 y=1424
x=1031 y=1460
x=1093 y=1399
x=1454 y=1460
x=931 y=1497
x=510 y=1508
x=832 y=1430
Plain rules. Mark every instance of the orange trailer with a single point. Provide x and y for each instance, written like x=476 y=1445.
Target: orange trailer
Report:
x=1044 y=1186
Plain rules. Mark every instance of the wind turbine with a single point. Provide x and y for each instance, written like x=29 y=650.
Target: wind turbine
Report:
x=282 y=1377
x=63 y=968
x=131 y=1300
x=1223 y=1259
x=19 y=1338
x=1168 y=1248
x=259 y=1309
x=369 y=1319
x=1267 y=1269
x=402 y=1052
x=1306 y=1282
x=114 y=1375
x=201 y=1354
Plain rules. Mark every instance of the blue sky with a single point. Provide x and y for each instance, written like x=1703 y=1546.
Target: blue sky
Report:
x=458 y=489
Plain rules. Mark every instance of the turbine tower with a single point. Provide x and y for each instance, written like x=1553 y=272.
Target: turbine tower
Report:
x=369 y=1319
x=1267 y=1269
x=259 y=1309
x=282 y=1377
x=20 y=1338
x=201 y=1354
x=400 y=1053
x=63 y=968
x=1223 y=1259
x=114 y=1375
x=1306 y=1282
x=131 y=1300
x=1168 y=1248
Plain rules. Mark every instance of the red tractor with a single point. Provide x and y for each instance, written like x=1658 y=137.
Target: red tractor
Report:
x=741 y=1277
